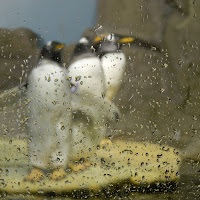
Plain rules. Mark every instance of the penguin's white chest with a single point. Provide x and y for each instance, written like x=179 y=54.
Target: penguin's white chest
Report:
x=87 y=76
x=88 y=82
x=48 y=83
x=49 y=121
x=113 y=65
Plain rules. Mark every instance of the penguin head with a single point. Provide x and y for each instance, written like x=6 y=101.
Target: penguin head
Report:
x=108 y=43
x=84 y=46
x=53 y=51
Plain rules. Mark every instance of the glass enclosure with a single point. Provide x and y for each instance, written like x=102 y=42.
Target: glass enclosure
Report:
x=100 y=99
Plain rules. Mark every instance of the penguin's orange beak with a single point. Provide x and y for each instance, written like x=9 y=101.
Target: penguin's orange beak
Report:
x=99 y=38
x=126 y=40
x=59 y=47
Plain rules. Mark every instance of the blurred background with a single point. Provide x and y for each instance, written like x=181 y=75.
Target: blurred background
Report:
x=160 y=95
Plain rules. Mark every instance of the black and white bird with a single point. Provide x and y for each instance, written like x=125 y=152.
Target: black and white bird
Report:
x=113 y=60
x=90 y=105
x=48 y=108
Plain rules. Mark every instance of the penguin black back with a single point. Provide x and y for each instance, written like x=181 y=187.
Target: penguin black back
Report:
x=53 y=51
x=83 y=47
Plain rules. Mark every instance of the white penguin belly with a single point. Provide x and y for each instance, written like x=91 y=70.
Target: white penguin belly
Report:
x=113 y=65
x=49 y=117
x=88 y=76
x=90 y=105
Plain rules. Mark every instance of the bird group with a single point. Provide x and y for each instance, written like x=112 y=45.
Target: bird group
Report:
x=68 y=107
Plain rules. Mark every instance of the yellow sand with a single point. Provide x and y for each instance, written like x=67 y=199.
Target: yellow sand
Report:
x=141 y=163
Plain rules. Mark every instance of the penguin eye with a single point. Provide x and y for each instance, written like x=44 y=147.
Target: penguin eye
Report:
x=111 y=37
x=93 y=48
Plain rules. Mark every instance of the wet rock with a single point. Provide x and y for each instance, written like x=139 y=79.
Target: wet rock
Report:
x=18 y=55
x=139 y=17
x=181 y=39
x=159 y=98
x=144 y=89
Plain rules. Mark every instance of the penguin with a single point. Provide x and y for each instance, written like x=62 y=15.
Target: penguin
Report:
x=48 y=97
x=113 y=60
x=91 y=108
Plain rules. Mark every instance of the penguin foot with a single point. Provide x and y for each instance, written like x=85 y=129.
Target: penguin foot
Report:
x=77 y=167
x=105 y=143
x=35 y=175
x=58 y=174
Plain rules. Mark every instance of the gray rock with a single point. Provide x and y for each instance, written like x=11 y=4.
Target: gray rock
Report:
x=182 y=41
x=159 y=98
x=139 y=17
x=18 y=55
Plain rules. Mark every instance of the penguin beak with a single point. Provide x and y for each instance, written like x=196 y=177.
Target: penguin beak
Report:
x=126 y=40
x=99 y=38
x=59 y=47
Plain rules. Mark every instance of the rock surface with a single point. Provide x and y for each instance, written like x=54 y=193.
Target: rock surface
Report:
x=159 y=98
x=19 y=53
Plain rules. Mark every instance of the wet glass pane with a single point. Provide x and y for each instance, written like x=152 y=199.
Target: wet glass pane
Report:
x=99 y=99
